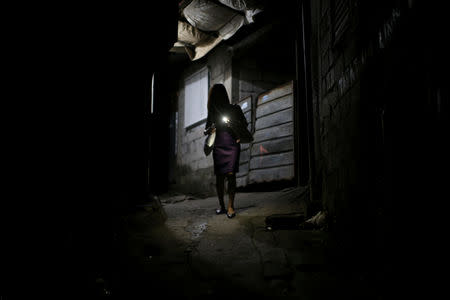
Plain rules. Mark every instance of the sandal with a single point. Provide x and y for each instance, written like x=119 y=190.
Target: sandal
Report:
x=231 y=215
x=220 y=211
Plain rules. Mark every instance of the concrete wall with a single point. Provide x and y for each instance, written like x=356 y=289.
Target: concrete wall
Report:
x=250 y=75
x=378 y=139
x=194 y=171
x=337 y=112
x=345 y=121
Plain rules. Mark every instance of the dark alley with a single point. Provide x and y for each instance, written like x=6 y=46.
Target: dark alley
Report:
x=292 y=149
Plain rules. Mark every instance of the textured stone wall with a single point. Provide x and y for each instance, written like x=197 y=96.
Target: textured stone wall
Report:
x=194 y=171
x=250 y=75
x=337 y=105
x=345 y=125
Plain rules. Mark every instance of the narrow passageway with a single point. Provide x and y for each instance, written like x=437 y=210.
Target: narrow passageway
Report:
x=334 y=109
x=195 y=252
x=346 y=98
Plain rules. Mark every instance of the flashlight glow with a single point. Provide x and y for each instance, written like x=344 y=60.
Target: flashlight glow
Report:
x=225 y=120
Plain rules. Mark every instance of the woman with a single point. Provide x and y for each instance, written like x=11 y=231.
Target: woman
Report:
x=226 y=151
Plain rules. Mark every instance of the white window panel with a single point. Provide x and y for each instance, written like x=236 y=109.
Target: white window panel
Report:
x=196 y=97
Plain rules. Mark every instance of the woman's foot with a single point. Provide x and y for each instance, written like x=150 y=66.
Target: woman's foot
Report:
x=231 y=213
x=220 y=211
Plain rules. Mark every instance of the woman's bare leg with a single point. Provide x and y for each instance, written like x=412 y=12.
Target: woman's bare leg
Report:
x=220 y=182
x=231 y=178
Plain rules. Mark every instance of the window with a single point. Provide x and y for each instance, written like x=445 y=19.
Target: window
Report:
x=196 y=97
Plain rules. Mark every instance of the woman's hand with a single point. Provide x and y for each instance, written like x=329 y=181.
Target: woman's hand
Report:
x=209 y=130
x=238 y=140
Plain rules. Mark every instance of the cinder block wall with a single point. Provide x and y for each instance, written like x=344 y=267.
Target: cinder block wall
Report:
x=194 y=171
x=339 y=119
x=343 y=57
x=242 y=77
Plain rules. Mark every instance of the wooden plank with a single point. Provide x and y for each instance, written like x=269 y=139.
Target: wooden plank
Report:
x=241 y=181
x=277 y=118
x=248 y=117
x=245 y=156
x=273 y=132
x=273 y=146
x=245 y=146
x=271 y=174
x=275 y=93
x=246 y=106
x=243 y=169
x=274 y=106
x=272 y=160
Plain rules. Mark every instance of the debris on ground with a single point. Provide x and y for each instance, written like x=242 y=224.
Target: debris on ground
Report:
x=284 y=221
x=296 y=221
x=175 y=198
x=318 y=221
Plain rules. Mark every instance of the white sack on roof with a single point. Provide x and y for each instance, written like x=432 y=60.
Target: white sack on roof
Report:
x=207 y=15
x=187 y=34
x=241 y=5
x=229 y=29
x=225 y=32
x=189 y=38
x=200 y=51
x=249 y=7
x=178 y=47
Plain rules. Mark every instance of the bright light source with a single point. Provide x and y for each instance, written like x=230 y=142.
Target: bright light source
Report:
x=225 y=120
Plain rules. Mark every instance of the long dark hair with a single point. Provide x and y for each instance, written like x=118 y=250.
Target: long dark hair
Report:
x=217 y=99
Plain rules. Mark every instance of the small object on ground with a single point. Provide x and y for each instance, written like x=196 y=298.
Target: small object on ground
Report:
x=284 y=221
x=317 y=221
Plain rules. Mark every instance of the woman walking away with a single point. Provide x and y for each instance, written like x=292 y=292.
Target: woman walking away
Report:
x=227 y=148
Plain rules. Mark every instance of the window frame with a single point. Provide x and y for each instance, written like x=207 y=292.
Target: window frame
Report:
x=188 y=103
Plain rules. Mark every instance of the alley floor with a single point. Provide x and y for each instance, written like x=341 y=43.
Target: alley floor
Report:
x=193 y=252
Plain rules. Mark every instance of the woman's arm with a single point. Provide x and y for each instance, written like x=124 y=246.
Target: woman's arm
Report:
x=208 y=122
x=242 y=118
x=208 y=125
x=242 y=127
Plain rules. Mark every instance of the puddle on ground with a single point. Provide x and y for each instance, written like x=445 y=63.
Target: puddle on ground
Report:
x=197 y=229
